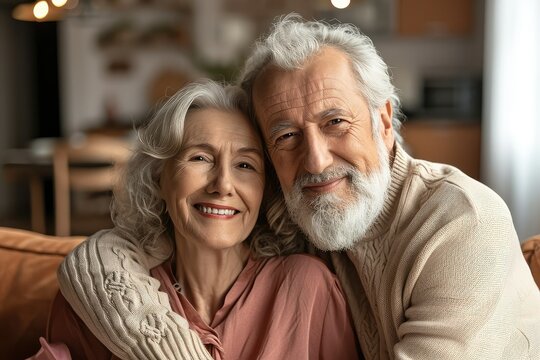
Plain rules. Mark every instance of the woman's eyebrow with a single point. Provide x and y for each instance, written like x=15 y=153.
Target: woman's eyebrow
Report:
x=212 y=148
x=202 y=146
x=252 y=150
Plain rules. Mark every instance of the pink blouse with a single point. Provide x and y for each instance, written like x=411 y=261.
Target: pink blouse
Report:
x=279 y=308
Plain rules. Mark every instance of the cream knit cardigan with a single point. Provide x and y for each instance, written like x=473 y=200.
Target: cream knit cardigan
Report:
x=440 y=276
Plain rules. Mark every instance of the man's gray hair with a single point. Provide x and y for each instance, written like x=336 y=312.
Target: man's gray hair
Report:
x=139 y=211
x=293 y=41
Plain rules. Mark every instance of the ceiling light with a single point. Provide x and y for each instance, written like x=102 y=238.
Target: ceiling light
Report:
x=41 y=9
x=59 y=3
x=340 y=4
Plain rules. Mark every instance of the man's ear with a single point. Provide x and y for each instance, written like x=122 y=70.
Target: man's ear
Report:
x=387 y=128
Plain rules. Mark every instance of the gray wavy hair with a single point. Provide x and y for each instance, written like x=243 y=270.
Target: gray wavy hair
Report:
x=290 y=43
x=139 y=212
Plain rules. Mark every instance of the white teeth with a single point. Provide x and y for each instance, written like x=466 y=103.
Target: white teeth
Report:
x=209 y=210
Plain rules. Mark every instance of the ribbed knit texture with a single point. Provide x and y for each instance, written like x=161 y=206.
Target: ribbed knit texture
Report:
x=441 y=274
x=106 y=282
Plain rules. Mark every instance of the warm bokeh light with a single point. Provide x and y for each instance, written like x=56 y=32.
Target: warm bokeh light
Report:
x=341 y=4
x=41 y=9
x=59 y=3
x=71 y=4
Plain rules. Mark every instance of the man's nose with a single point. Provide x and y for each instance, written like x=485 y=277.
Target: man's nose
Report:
x=317 y=153
x=221 y=181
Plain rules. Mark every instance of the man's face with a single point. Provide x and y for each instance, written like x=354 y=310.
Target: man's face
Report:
x=314 y=119
x=318 y=131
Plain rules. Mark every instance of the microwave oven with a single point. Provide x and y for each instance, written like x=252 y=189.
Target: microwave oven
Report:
x=452 y=97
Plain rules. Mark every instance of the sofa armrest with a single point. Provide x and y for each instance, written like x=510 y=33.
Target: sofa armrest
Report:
x=28 y=285
x=531 y=251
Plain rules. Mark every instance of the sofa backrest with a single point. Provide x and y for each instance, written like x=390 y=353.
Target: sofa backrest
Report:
x=28 y=285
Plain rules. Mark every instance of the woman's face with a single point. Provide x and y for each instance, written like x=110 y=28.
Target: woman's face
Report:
x=214 y=186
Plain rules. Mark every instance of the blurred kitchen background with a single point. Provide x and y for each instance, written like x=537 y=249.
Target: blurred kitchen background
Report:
x=467 y=73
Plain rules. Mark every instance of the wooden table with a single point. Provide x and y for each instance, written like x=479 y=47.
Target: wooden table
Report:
x=25 y=165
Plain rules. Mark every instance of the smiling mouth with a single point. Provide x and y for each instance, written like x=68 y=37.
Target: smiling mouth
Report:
x=325 y=186
x=216 y=211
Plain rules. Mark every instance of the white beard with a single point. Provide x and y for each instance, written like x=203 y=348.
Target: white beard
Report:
x=332 y=223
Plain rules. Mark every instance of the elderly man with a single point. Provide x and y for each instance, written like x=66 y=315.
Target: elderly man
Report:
x=428 y=258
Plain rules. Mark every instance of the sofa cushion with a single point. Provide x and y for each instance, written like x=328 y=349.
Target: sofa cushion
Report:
x=28 y=285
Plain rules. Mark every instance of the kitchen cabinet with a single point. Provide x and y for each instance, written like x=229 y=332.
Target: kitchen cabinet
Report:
x=435 y=17
x=453 y=142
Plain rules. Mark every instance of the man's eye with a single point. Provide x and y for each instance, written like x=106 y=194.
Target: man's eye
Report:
x=335 y=121
x=285 y=137
x=336 y=127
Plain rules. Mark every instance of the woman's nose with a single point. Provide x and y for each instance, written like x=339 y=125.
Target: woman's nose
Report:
x=221 y=181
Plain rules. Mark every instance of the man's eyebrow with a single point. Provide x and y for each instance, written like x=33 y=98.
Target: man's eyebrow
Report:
x=327 y=113
x=279 y=127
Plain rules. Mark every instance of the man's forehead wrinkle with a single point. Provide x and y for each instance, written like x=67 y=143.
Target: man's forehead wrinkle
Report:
x=329 y=103
x=316 y=84
x=277 y=113
x=286 y=102
x=308 y=88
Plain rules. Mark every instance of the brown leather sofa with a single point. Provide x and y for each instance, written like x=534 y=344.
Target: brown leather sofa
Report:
x=531 y=251
x=28 y=263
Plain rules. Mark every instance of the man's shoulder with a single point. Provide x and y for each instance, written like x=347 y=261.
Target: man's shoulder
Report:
x=440 y=204
x=445 y=188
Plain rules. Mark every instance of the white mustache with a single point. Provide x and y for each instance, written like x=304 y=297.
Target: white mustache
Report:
x=333 y=173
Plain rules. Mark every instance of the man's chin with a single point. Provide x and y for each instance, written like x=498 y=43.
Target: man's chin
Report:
x=335 y=200
x=329 y=228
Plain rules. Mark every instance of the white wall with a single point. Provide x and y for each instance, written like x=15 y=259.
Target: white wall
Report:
x=86 y=87
x=512 y=125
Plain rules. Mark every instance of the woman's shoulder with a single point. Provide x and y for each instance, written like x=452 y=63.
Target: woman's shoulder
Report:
x=300 y=267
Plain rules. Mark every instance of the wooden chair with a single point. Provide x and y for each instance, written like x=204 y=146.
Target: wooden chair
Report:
x=90 y=165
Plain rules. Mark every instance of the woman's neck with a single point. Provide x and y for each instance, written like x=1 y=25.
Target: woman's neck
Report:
x=206 y=275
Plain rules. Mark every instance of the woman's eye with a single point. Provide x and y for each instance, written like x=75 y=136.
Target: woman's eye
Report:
x=197 y=158
x=245 y=165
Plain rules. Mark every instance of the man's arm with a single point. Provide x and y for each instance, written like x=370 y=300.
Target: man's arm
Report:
x=106 y=280
x=472 y=296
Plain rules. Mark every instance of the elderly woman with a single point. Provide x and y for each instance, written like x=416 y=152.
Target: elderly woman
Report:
x=197 y=181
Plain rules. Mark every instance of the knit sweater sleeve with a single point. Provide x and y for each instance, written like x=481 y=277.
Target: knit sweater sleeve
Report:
x=466 y=289
x=106 y=280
